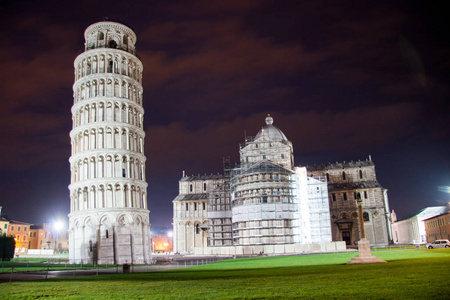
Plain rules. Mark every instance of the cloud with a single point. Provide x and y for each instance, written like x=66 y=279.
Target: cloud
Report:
x=205 y=7
x=175 y=147
x=28 y=78
x=355 y=129
x=218 y=50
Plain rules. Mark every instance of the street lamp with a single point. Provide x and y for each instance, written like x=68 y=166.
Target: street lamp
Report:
x=57 y=226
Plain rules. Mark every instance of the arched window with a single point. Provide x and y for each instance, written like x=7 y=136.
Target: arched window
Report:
x=197 y=228
x=366 y=217
x=360 y=174
x=112 y=44
x=343 y=175
x=328 y=177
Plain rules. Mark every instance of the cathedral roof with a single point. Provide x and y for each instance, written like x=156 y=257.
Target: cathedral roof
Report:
x=271 y=132
x=202 y=177
x=334 y=187
x=191 y=197
x=266 y=166
x=341 y=165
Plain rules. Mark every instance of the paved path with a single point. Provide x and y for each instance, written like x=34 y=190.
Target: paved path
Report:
x=42 y=275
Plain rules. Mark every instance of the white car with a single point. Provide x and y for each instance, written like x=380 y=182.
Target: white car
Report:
x=439 y=244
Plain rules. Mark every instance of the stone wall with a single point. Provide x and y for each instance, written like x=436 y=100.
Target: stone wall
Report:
x=272 y=249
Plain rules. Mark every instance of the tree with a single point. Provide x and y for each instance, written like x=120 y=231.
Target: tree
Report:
x=7 y=245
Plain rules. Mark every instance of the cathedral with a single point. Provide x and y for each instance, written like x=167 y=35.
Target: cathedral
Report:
x=108 y=220
x=267 y=204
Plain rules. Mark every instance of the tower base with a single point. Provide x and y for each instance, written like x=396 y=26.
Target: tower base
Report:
x=364 y=256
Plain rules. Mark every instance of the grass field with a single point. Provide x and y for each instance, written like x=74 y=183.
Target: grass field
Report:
x=408 y=274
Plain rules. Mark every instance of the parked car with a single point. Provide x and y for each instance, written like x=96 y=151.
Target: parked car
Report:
x=439 y=244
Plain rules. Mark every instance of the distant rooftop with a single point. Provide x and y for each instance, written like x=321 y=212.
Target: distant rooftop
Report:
x=37 y=226
x=447 y=212
x=19 y=223
x=428 y=211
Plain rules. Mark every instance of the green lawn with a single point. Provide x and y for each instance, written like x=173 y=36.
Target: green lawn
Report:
x=408 y=274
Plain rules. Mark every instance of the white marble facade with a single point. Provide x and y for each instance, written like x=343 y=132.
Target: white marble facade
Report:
x=109 y=219
x=269 y=201
x=264 y=201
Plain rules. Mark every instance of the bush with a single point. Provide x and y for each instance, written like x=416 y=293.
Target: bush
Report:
x=7 y=245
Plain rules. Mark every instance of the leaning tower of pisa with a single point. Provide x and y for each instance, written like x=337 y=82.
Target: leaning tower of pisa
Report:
x=109 y=219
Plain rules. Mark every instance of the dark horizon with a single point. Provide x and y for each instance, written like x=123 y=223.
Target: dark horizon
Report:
x=342 y=81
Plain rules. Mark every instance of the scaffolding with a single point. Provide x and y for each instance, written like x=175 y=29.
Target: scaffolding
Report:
x=219 y=215
x=264 y=204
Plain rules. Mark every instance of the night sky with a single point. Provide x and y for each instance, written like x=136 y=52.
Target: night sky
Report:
x=342 y=81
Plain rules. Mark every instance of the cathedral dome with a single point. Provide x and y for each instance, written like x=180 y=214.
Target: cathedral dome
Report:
x=271 y=132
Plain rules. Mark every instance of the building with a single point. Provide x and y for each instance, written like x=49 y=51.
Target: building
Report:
x=36 y=237
x=109 y=219
x=438 y=227
x=162 y=244
x=267 y=200
x=3 y=226
x=20 y=231
x=47 y=236
x=345 y=181
x=4 y=223
x=190 y=211
x=263 y=203
x=411 y=230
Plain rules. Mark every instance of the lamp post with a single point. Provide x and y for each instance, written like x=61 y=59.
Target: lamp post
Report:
x=170 y=241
